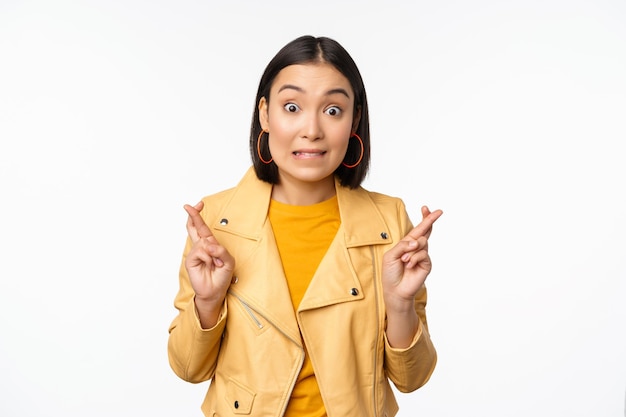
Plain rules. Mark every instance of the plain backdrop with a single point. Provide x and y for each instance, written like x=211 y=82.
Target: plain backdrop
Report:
x=508 y=115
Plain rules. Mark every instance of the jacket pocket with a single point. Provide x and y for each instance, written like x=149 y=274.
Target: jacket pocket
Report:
x=239 y=397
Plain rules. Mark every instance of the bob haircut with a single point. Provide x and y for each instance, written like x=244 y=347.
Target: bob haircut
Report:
x=303 y=50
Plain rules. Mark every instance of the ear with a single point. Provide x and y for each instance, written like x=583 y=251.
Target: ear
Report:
x=357 y=119
x=263 y=114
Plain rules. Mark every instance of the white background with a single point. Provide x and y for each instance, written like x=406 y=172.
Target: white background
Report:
x=508 y=115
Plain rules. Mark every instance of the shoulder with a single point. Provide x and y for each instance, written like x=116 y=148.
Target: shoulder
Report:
x=245 y=204
x=220 y=197
x=384 y=200
x=393 y=210
x=215 y=203
x=363 y=210
x=387 y=204
x=248 y=180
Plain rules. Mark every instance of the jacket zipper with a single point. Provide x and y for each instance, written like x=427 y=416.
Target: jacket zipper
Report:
x=249 y=311
x=260 y=326
x=375 y=275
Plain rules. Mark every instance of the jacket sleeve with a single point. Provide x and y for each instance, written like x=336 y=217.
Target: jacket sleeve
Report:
x=411 y=367
x=192 y=351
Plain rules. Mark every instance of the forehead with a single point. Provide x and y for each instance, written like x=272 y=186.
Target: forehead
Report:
x=315 y=78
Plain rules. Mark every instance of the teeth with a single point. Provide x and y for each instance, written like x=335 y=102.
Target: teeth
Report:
x=308 y=153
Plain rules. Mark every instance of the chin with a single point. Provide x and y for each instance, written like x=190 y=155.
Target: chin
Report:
x=312 y=175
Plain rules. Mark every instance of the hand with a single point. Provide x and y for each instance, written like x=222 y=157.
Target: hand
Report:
x=209 y=265
x=406 y=265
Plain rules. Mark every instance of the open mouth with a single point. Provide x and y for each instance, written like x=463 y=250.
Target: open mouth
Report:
x=309 y=153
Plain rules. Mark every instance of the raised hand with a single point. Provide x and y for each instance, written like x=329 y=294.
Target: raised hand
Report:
x=209 y=265
x=406 y=265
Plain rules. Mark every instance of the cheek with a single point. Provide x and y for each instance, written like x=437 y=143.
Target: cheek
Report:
x=278 y=124
x=339 y=144
x=279 y=135
x=341 y=135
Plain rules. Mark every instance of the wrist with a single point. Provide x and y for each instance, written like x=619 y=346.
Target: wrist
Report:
x=400 y=306
x=208 y=311
x=401 y=328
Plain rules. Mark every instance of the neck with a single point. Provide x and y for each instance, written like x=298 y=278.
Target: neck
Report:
x=303 y=194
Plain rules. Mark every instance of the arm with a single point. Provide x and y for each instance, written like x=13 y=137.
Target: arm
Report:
x=410 y=355
x=411 y=367
x=205 y=275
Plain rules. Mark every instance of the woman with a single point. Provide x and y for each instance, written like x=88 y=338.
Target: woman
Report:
x=301 y=293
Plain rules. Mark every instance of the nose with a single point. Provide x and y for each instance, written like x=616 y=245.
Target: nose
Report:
x=311 y=127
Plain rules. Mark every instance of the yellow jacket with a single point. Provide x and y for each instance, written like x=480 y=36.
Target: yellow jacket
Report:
x=254 y=353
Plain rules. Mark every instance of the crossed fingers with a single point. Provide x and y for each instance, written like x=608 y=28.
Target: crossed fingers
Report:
x=416 y=249
x=196 y=227
x=425 y=227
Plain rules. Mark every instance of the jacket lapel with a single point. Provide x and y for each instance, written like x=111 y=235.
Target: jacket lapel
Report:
x=335 y=278
x=262 y=285
x=362 y=224
x=261 y=282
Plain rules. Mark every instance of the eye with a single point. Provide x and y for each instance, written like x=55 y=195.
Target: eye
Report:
x=333 y=111
x=291 y=107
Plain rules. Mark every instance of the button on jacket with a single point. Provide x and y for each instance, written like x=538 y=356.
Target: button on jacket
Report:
x=254 y=353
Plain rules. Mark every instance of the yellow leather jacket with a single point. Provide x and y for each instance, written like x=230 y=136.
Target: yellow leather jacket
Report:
x=254 y=353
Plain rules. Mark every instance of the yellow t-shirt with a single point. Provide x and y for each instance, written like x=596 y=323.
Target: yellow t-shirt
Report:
x=303 y=235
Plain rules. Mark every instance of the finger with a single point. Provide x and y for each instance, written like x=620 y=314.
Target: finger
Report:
x=404 y=246
x=199 y=206
x=425 y=213
x=207 y=252
x=191 y=230
x=419 y=259
x=199 y=255
x=198 y=223
x=421 y=244
x=425 y=226
x=221 y=257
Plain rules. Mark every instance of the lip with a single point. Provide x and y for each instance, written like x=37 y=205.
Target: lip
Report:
x=308 y=153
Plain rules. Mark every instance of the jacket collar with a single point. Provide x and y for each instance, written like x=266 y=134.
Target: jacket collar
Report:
x=246 y=213
x=335 y=280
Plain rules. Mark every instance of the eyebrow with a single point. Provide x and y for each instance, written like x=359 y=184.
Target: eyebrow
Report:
x=300 y=90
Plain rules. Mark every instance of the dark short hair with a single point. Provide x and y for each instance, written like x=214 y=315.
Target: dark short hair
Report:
x=309 y=49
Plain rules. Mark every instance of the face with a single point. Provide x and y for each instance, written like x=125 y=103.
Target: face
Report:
x=309 y=118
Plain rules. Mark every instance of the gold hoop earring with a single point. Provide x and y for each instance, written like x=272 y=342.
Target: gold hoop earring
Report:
x=354 y=135
x=258 y=148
